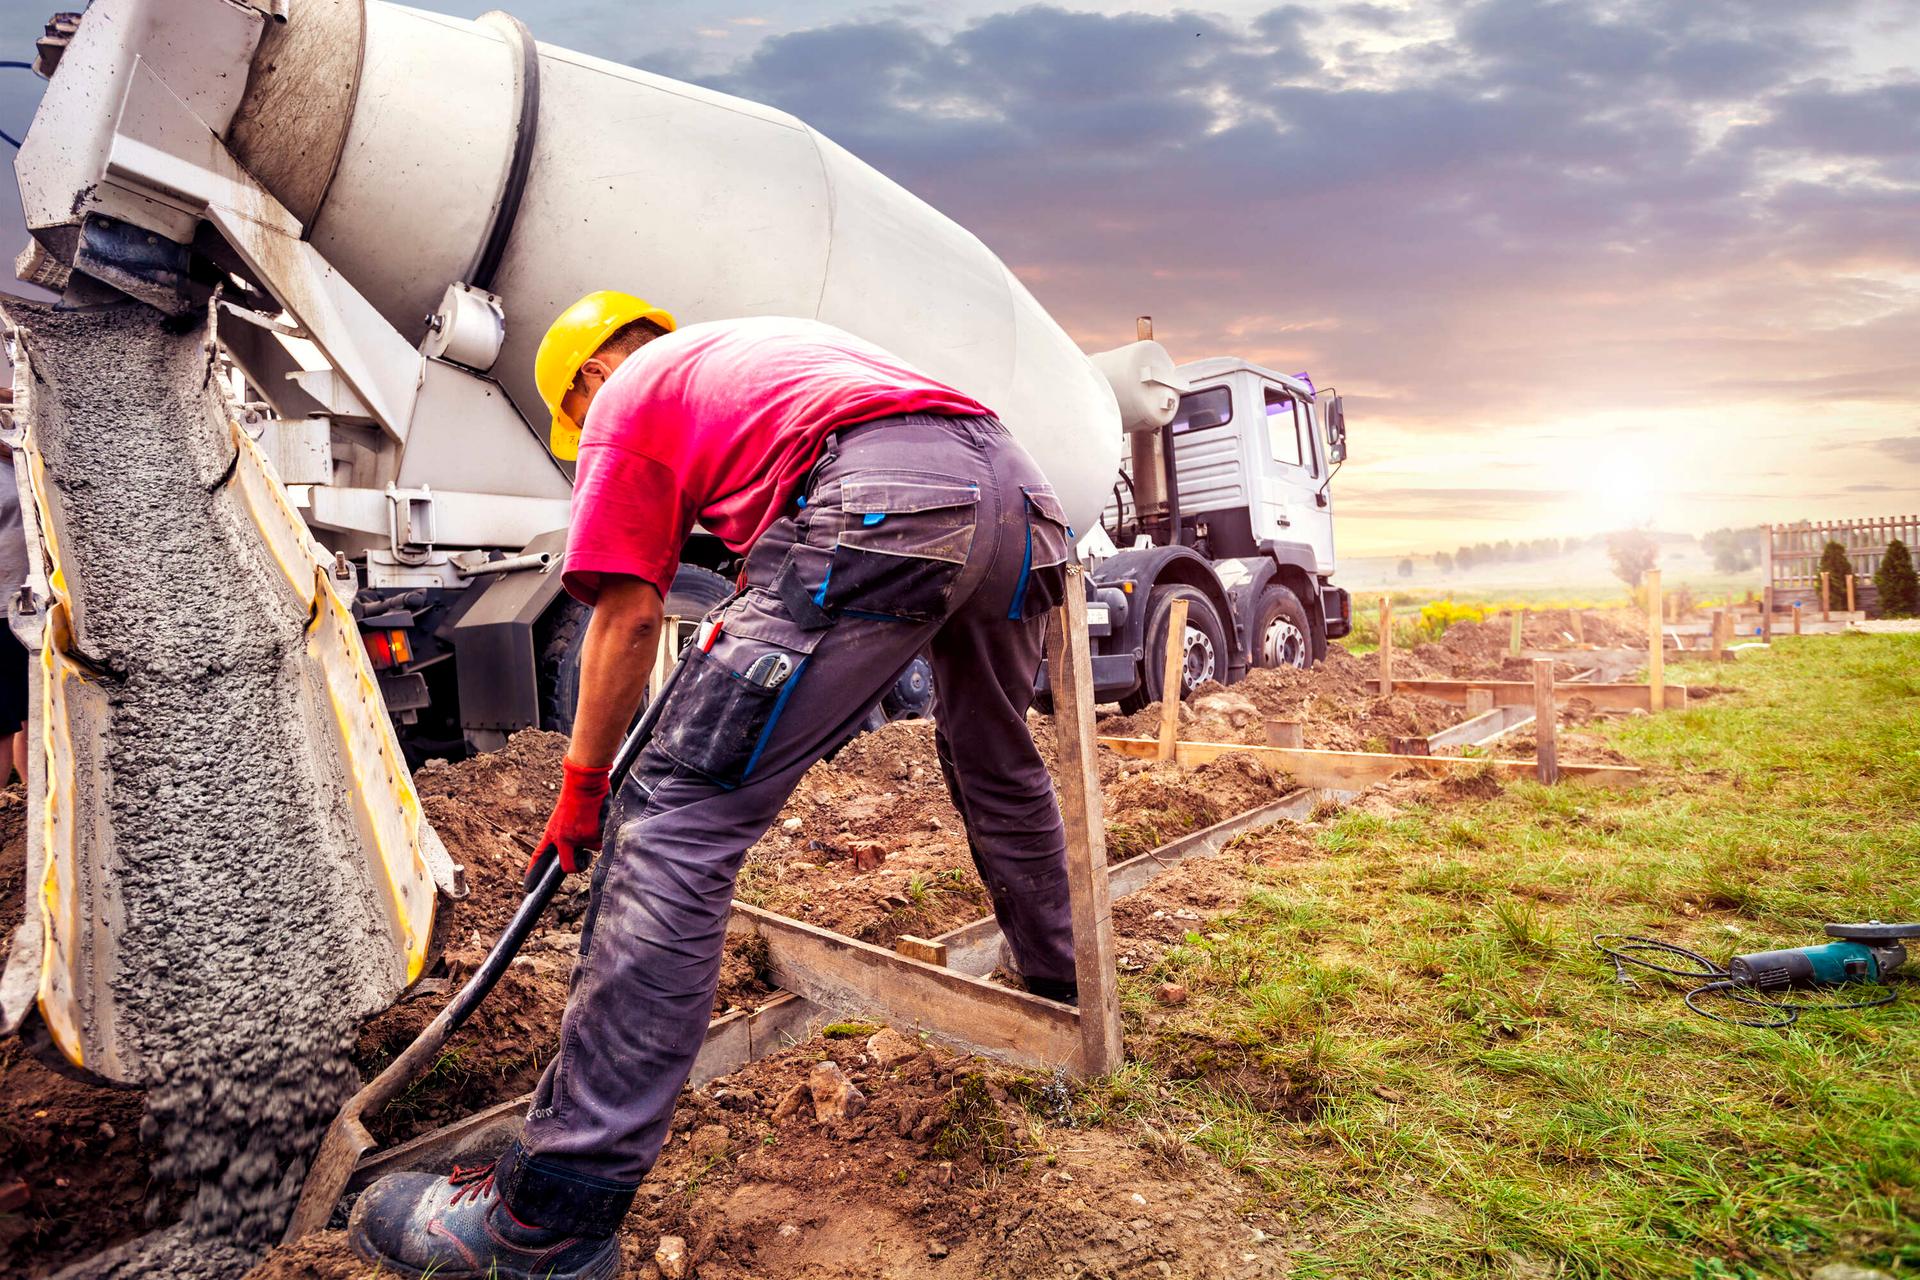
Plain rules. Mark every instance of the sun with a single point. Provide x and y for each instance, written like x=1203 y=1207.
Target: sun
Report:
x=1617 y=493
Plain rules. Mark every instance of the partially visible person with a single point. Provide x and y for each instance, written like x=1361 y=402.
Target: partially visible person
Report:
x=13 y=572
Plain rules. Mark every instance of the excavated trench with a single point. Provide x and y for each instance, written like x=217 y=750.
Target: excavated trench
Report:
x=250 y=942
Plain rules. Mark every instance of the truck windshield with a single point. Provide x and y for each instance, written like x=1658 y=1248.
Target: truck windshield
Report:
x=1199 y=410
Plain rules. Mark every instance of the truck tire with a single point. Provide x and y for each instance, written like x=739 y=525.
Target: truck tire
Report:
x=561 y=632
x=1207 y=652
x=1282 y=634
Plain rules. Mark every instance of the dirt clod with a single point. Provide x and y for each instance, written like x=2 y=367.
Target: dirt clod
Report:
x=834 y=1096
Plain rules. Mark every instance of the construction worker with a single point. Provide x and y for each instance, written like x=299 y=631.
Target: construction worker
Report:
x=880 y=514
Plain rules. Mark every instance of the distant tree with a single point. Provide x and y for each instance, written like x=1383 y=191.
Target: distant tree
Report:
x=1443 y=561
x=1733 y=550
x=1898 y=586
x=1464 y=558
x=1834 y=563
x=1633 y=552
x=1406 y=568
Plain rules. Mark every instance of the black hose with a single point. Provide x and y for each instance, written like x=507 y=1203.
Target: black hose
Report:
x=1630 y=949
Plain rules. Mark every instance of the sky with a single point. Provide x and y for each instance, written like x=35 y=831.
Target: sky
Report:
x=1574 y=265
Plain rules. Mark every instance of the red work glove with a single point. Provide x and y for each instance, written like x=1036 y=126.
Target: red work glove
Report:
x=573 y=831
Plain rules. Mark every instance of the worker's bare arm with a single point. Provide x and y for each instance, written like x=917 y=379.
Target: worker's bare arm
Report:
x=614 y=662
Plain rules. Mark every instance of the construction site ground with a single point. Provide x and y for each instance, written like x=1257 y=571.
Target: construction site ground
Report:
x=1323 y=1021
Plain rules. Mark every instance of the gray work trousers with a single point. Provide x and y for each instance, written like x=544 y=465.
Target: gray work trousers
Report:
x=915 y=533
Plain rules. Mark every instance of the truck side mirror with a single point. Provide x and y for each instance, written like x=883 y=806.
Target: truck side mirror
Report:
x=1336 y=430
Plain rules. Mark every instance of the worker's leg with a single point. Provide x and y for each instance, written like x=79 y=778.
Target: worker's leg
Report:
x=984 y=661
x=840 y=601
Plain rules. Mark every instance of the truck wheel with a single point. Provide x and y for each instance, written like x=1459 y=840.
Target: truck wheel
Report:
x=1283 y=635
x=694 y=592
x=1206 y=657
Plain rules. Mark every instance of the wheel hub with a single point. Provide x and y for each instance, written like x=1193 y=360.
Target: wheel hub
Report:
x=1284 y=645
x=1200 y=664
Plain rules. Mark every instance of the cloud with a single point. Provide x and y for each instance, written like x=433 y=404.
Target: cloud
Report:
x=1538 y=213
x=1902 y=448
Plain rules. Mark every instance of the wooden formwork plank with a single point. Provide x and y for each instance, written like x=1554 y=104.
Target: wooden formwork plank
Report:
x=1589 y=657
x=1173 y=675
x=975 y=947
x=1604 y=697
x=1482 y=728
x=1546 y=751
x=1353 y=770
x=842 y=973
x=1656 y=643
x=1070 y=668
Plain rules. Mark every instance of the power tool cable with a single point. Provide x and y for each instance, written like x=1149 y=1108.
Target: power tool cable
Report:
x=1631 y=949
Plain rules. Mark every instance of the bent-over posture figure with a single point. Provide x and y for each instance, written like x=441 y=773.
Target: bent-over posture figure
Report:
x=881 y=514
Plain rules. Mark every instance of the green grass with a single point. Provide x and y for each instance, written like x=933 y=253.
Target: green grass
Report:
x=1409 y=1047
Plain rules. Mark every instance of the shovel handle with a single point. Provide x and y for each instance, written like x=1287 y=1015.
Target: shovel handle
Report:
x=546 y=881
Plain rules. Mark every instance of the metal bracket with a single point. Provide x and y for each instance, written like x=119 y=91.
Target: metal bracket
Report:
x=410 y=523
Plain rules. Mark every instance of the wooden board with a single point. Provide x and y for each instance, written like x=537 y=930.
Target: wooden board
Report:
x=1353 y=770
x=969 y=1013
x=1510 y=693
x=1070 y=667
x=975 y=947
x=1481 y=728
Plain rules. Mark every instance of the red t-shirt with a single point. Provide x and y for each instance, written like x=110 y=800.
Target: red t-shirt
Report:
x=719 y=423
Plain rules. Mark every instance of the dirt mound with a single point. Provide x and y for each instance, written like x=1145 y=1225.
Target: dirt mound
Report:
x=951 y=1168
x=1332 y=701
x=489 y=812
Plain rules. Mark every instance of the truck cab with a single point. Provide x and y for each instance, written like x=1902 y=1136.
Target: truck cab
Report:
x=1240 y=524
x=1251 y=465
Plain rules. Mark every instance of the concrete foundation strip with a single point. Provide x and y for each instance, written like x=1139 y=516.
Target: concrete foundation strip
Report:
x=800 y=954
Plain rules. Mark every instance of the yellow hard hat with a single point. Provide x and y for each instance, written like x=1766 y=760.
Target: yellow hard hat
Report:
x=571 y=341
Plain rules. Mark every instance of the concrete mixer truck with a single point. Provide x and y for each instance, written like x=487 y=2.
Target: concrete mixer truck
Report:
x=382 y=208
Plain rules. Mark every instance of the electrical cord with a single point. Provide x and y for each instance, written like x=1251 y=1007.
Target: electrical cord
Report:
x=1630 y=949
x=6 y=137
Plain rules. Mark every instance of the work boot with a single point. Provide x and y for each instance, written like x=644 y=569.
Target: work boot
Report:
x=419 y=1224
x=1045 y=988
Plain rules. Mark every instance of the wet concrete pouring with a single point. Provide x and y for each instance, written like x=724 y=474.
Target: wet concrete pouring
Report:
x=944 y=1165
x=249 y=950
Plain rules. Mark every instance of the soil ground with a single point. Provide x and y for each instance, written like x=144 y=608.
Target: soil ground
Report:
x=869 y=846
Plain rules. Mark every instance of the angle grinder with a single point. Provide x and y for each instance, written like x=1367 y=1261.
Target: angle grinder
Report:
x=1867 y=952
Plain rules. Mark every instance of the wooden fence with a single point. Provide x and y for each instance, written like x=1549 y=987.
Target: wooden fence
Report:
x=1791 y=555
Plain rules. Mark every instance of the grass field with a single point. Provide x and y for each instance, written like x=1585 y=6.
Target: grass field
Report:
x=1469 y=1091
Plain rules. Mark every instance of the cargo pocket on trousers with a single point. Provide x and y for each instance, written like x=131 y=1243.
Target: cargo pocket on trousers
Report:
x=904 y=538
x=725 y=707
x=1043 y=574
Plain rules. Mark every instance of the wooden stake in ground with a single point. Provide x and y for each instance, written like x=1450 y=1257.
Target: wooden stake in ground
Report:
x=1285 y=733
x=1519 y=624
x=1656 y=644
x=1070 y=669
x=1826 y=605
x=1796 y=617
x=1546 y=758
x=1717 y=623
x=1579 y=627
x=1766 y=615
x=1850 y=604
x=1386 y=647
x=1172 y=673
